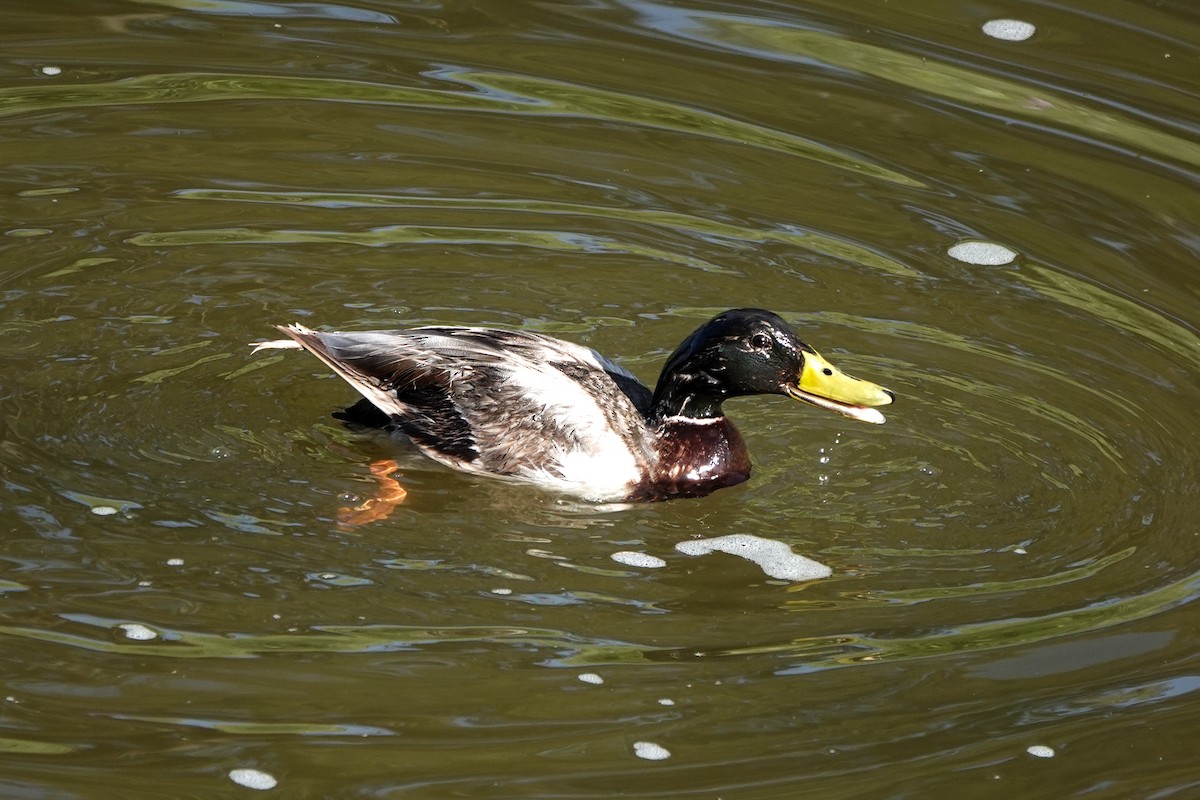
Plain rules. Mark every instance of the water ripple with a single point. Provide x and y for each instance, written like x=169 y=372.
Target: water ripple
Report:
x=486 y=92
x=712 y=230
x=560 y=241
x=1018 y=102
x=179 y=643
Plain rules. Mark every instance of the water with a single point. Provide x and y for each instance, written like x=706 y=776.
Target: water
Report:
x=1013 y=553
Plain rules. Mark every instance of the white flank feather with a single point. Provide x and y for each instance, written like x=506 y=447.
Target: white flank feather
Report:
x=602 y=466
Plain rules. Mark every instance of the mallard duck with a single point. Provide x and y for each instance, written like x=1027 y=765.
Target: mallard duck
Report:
x=529 y=407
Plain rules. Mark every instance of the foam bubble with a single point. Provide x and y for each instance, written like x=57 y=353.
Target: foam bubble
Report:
x=253 y=779
x=501 y=591
x=1040 y=751
x=635 y=559
x=50 y=69
x=174 y=562
x=137 y=631
x=590 y=677
x=666 y=701
x=775 y=558
x=988 y=254
x=1011 y=30
x=650 y=751
x=103 y=511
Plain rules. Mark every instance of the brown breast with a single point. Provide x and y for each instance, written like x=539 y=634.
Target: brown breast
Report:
x=694 y=459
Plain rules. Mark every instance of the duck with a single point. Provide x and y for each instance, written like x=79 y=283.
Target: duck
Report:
x=527 y=407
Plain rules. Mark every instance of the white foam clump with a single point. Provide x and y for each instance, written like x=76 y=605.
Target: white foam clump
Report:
x=1011 y=30
x=1040 y=751
x=650 y=751
x=632 y=558
x=987 y=254
x=137 y=631
x=590 y=677
x=50 y=69
x=775 y=558
x=253 y=779
x=103 y=511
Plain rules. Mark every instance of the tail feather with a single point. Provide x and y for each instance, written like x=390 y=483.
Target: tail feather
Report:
x=393 y=374
x=277 y=344
x=369 y=386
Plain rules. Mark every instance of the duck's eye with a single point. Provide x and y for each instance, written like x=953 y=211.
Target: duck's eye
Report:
x=760 y=341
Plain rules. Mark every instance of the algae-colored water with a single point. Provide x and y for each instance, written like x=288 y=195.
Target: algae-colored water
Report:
x=1014 y=553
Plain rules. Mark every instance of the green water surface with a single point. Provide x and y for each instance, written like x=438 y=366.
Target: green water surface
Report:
x=1014 y=553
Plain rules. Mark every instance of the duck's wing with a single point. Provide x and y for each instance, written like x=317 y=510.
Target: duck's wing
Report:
x=503 y=402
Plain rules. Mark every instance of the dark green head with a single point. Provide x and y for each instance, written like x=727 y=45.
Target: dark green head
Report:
x=751 y=351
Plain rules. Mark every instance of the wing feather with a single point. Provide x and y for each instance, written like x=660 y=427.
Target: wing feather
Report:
x=509 y=403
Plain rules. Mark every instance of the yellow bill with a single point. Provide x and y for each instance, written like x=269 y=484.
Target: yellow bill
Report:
x=824 y=385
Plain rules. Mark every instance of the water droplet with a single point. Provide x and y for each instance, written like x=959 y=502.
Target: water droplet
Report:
x=1011 y=30
x=253 y=779
x=988 y=254
x=635 y=559
x=650 y=751
x=137 y=632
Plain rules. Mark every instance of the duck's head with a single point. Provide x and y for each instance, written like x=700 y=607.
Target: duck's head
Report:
x=751 y=351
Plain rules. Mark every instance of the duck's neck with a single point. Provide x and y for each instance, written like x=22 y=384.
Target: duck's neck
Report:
x=692 y=395
x=699 y=450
